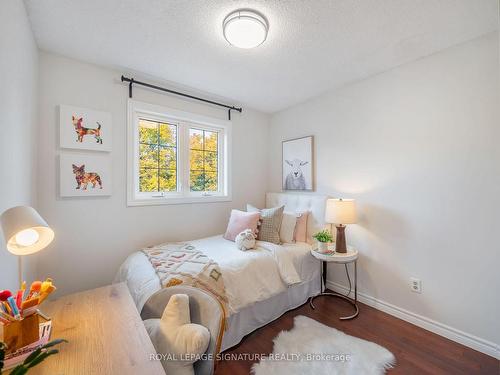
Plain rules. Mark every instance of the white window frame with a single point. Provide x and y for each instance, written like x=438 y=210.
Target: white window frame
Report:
x=184 y=121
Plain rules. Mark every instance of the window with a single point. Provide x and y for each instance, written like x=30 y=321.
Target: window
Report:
x=157 y=156
x=176 y=157
x=203 y=158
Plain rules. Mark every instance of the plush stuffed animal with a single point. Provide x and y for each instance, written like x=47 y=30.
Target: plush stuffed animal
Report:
x=176 y=337
x=245 y=240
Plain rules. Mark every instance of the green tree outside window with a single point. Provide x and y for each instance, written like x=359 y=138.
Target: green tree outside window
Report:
x=203 y=160
x=157 y=156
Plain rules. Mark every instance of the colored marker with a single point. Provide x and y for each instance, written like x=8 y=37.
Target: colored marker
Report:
x=29 y=303
x=35 y=288
x=6 y=317
x=7 y=308
x=13 y=306
x=46 y=293
x=19 y=298
x=45 y=285
x=4 y=294
x=23 y=290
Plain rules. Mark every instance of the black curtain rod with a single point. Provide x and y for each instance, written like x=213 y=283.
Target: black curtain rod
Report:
x=132 y=81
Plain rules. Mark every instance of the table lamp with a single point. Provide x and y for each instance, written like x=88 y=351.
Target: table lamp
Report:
x=25 y=232
x=340 y=212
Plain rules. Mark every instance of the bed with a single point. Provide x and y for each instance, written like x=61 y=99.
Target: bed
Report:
x=261 y=284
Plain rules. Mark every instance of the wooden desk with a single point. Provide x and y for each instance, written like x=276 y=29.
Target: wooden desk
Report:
x=105 y=334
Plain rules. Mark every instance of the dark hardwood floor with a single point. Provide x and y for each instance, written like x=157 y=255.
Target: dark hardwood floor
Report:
x=417 y=351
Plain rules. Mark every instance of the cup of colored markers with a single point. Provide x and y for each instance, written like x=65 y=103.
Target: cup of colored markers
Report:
x=23 y=304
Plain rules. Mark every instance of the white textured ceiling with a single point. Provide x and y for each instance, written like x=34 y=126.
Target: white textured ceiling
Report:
x=312 y=46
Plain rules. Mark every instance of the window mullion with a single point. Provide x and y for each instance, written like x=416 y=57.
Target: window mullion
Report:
x=135 y=157
x=203 y=156
x=221 y=135
x=158 y=156
x=184 y=154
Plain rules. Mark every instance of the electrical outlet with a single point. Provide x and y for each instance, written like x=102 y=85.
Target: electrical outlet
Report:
x=415 y=285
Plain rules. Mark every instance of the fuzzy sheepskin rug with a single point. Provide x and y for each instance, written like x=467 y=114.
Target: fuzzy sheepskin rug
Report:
x=314 y=348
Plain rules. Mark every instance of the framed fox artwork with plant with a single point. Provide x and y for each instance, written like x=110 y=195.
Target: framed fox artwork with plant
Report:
x=84 y=129
x=84 y=175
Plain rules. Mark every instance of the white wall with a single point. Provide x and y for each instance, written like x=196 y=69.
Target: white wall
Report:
x=418 y=147
x=18 y=111
x=94 y=236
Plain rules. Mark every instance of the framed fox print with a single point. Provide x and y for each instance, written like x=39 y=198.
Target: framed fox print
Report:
x=84 y=129
x=297 y=164
x=84 y=175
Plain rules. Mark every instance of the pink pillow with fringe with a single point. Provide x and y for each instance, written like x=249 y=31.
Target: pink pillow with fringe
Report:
x=301 y=227
x=239 y=221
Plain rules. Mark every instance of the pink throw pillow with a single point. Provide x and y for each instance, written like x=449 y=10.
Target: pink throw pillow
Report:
x=239 y=221
x=301 y=227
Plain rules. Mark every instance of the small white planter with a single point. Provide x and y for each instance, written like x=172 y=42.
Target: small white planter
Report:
x=323 y=247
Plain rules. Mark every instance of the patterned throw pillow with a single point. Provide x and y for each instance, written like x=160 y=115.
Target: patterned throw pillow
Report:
x=271 y=218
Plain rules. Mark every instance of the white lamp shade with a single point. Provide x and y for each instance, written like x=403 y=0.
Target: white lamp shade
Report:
x=340 y=211
x=25 y=231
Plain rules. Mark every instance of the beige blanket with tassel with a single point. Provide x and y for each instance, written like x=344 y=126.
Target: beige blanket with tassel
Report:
x=182 y=263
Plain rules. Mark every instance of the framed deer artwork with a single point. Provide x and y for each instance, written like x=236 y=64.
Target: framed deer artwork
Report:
x=298 y=164
x=84 y=129
x=84 y=175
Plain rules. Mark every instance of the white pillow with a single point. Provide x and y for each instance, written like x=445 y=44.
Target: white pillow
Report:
x=175 y=335
x=287 y=230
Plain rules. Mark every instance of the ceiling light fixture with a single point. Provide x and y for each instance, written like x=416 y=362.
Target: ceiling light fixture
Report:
x=245 y=28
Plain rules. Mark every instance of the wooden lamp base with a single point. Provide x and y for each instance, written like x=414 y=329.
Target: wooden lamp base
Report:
x=340 y=245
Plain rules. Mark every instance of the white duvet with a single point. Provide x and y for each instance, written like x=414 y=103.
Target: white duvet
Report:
x=249 y=276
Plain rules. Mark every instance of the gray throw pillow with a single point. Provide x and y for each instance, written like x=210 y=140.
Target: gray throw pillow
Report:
x=271 y=218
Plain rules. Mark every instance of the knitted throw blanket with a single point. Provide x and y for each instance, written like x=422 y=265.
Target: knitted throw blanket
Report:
x=182 y=263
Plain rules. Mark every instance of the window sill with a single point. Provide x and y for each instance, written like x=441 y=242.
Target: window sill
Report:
x=178 y=200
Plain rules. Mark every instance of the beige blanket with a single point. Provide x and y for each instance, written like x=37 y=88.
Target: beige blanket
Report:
x=182 y=263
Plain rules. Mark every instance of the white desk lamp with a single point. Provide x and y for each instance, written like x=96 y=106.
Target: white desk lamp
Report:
x=25 y=232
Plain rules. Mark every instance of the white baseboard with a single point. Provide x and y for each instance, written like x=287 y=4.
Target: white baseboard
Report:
x=451 y=333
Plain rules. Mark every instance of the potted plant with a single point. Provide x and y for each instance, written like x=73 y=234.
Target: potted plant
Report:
x=36 y=357
x=324 y=239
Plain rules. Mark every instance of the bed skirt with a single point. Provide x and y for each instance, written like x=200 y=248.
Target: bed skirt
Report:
x=261 y=313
